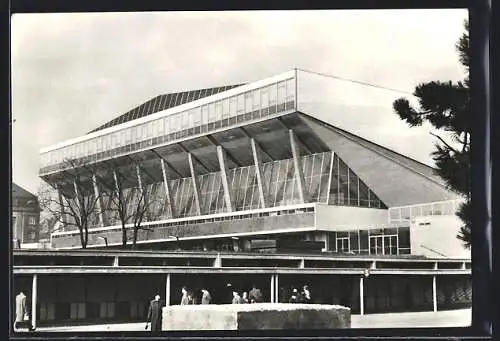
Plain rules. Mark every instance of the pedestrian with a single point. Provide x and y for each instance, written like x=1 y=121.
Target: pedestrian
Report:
x=236 y=298
x=154 y=314
x=306 y=294
x=244 y=298
x=294 y=297
x=21 y=311
x=206 y=298
x=185 y=299
x=255 y=295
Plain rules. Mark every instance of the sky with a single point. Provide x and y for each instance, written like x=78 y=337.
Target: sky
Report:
x=72 y=72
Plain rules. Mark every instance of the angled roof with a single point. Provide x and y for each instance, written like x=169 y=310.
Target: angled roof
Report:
x=19 y=192
x=396 y=179
x=163 y=102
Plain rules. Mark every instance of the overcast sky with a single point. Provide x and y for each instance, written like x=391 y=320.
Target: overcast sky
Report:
x=73 y=72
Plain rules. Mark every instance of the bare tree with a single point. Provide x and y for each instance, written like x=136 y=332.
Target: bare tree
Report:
x=129 y=200
x=72 y=199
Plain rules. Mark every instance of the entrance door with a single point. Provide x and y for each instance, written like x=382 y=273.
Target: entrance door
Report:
x=376 y=245
x=391 y=245
x=343 y=245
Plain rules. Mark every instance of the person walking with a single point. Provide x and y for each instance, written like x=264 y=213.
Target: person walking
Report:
x=255 y=295
x=236 y=298
x=21 y=312
x=294 y=298
x=154 y=314
x=185 y=299
x=306 y=293
x=206 y=298
x=244 y=298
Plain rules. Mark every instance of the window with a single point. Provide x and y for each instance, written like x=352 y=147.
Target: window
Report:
x=107 y=310
x=31 y=220
x=77 y=311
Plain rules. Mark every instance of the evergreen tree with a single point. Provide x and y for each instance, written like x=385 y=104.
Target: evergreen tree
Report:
x=446 y=106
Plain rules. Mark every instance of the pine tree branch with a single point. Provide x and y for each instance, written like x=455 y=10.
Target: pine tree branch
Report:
x=444 y=142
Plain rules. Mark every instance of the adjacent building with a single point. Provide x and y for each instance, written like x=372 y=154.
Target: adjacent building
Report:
x=25 y=218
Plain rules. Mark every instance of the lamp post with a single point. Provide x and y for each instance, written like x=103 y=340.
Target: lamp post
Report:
x=105 y=240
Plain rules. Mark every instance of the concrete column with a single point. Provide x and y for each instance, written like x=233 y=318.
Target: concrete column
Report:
x=434 y=294
x=277 y=286
x=34 y=294
x=330 y=178
x=167 y=188
x=258 y=173
x=273 y=289
x=100 y=204
x=299 y=174
x=77 y=197
x=361 y=295
x=195 y=184
x=167 y=290
x=225 y=184
x=139 y=179
x=61 y=206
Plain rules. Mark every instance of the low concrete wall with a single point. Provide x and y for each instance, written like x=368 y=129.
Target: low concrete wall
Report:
x=255 y=316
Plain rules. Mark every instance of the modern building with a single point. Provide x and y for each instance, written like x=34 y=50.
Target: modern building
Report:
x=228 y=169
x=262 y=160
x=25 y=218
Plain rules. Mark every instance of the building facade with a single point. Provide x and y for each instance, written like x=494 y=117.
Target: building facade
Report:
x=25 y=218
x=224 y=169
x=224 y=166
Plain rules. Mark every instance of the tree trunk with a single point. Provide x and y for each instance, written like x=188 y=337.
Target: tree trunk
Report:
x=124 y=235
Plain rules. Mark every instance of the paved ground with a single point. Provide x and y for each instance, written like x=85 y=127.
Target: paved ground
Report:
x=452 y=318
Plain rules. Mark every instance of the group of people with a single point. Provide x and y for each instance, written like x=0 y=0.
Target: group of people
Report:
x=188 y=297
x=303 y=296
x=254 y=296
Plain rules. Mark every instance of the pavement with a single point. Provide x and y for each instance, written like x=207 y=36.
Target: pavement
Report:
x=440 y=319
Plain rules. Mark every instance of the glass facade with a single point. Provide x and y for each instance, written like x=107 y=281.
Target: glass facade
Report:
x=387 y=241
x=271 y=99
x=324 y=175
x=408 y=213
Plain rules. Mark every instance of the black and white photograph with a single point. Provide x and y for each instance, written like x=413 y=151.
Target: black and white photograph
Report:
x=240 y=170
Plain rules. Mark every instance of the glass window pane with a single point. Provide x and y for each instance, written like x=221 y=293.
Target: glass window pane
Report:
x=232 y=106
x=248 y=102
x=290 y=89
x=241 y=104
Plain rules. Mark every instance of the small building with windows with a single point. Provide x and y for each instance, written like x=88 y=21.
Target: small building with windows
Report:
x=25 y=218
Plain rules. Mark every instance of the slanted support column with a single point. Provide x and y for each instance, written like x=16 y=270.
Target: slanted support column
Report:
x=34 y=298
x=61 y=205
x=362 y=295
x=225 y=184
x=167 y=290
x=77 y=196
x=299 y=174
x=434 y=294
x=167 y=188
x=330 y=174
x=195 y=184
x=100 y=204
x=139 y=179
x=258 y=173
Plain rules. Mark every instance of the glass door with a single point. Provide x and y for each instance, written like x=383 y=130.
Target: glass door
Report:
x=376 y=245
x=343 y=245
